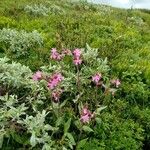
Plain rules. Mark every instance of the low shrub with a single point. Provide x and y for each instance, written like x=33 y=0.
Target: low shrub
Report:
x=42 y=10
x=19 y=42
x=59 y=107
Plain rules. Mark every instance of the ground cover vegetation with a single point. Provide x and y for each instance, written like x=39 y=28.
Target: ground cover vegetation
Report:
x=73 y=75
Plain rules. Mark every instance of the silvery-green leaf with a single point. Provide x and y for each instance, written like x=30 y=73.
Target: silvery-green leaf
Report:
x=33 y=139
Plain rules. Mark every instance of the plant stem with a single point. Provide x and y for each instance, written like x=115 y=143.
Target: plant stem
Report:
x=78 y=79
x=96 y=95
x=78 y=89
x=79 y=137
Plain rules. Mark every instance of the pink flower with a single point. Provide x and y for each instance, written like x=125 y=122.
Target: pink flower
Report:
x=77 y=61
x=85 y=110
x=116 y=82
x=52 y=84
x=55 y=80
x=96 y=78
x=58 y=77
x=86 y=115
x=77 y=53
x=55 y=55
x=85 y=118
x=37 y=76
x=56 y=95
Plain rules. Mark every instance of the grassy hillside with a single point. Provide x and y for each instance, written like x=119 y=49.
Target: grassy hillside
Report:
x=28 y=31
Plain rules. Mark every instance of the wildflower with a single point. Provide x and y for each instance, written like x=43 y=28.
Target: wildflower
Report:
x=77 y=53
x=85 y=118
x=86 y=115
x=77 y=61
x=58 y=76
x=116 y=82
x=77 y=57
x=96 y=78
x=56 y=95
x=55 y=80
x=37 y=76
x=55 y=55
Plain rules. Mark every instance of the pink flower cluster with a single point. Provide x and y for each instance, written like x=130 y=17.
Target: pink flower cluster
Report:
x=86 y=115
x=55 y=55
x=37 y=76
x=54 y=80
x=56 y=95
x=96 y=78
x=77 y=57
x=116 y=82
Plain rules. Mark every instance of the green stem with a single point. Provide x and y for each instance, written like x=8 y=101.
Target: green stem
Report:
x=78 y=79
x=96 y=96
x=79 y=137
x=78 y=89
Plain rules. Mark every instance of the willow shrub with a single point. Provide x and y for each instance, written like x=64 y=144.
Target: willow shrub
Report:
x=19 y=43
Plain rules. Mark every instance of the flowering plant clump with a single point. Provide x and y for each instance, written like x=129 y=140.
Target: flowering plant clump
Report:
x=116 y=82
x=37 y=76
x=56 y=95
x=59 y=100
x=86 y=115
x=54 y=80
x=55 y=55
x=77 y=57
x=96 y=78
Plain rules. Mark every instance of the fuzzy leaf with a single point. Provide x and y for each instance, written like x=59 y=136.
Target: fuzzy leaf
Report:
x=70 y=137
x=59 y=121
x=82 y=143
x=1 y=140
x=63 y=104
x=50 y=128
x=98 y=120
x=33 y=140
x=64 y=148
x=87 y=129
x=100 y=109
x=67 y=125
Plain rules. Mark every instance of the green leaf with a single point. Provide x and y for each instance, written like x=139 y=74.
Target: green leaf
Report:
x=20 y=138
x=70 y=137
x=1 y=140
x=98 y=120
x=59 y=121
x=78 y=124
x=77 y=97
x=98 y=110
x=67 y=125
x=64 y=148
x=63 y=104
x=87 y=129
x=82 y=143
x=50 y=128
x=70 y=145
x=33 y=140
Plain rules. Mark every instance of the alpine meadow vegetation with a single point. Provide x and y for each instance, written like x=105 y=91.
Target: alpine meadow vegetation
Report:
x=74 y=76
